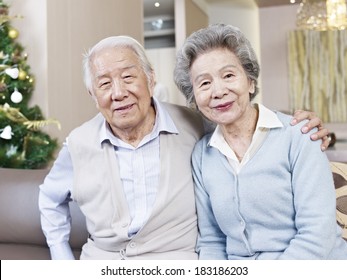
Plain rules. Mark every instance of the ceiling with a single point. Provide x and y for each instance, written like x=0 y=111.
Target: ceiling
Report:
x=268 y=3
x=167 y=6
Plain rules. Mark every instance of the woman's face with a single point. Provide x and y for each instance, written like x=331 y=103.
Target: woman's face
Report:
x=221 y=87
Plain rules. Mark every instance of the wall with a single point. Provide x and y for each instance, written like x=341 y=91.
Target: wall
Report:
x=60 y=31
x=195 y=17
x=275 y=23
x=189 y=17
x=163 y=61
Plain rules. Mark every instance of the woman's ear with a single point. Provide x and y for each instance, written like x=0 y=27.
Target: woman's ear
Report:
x=252 y=87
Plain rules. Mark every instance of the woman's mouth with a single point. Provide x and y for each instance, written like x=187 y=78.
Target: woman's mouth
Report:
x=223 y=107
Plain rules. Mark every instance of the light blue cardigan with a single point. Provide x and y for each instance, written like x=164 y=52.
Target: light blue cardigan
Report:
x=280 y=206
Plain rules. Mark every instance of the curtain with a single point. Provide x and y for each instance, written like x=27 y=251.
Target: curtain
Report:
x=317 y=62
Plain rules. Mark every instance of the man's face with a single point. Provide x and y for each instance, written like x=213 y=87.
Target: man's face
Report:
x=121 y=89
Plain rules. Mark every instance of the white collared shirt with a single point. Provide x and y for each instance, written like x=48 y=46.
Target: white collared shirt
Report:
x=140 y=168
x=267 y=119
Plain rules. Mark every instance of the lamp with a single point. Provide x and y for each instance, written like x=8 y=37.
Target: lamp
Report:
x=336 y=14
x=322 y=15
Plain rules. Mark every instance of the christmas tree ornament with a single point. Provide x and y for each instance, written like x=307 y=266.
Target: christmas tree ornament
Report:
x=12 y=150
x=12 y=72
x=2 y=86
x=16 y=96
x=15 y=115
x=6 y=133
x=13 y=33
x=3 y=10
x=22 y=75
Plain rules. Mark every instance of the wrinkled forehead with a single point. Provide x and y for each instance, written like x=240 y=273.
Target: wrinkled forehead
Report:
x=114 y=58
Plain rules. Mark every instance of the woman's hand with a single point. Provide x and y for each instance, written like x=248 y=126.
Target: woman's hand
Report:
x=314 y=121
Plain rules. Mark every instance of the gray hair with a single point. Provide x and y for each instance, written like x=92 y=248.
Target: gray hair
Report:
x=207 y=39
x=115 y=42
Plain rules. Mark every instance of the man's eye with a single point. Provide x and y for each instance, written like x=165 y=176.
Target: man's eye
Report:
x=104 y=84
x=128 y=78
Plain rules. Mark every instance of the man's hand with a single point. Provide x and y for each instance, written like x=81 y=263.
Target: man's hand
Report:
x=314 y=121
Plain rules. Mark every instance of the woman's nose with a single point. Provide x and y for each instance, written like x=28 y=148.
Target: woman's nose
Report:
x=218 y=88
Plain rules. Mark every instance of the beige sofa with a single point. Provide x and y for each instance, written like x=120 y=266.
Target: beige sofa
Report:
x=21 y=237
x=20 y=230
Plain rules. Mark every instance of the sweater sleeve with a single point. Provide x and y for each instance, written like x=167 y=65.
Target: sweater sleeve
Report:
x=211 y=242
x=314 y=200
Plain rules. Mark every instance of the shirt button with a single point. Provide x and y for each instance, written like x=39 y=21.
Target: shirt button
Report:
x=132 y=245
x=124 y=225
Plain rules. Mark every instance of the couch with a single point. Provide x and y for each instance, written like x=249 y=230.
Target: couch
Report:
x=21 y=237
x=20 y=230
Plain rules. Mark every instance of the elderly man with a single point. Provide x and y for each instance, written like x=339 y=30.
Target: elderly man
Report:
x=128 y=168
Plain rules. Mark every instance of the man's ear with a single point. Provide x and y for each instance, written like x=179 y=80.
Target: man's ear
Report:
x=151 y=83
x=94 y=98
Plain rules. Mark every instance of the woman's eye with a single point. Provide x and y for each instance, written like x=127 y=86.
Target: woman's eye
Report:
x=228 y=75
x=205 y=83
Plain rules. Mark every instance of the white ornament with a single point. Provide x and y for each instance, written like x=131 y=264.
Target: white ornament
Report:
x=12 y=72
x=16 y=96
x=11 y=151
x=6 y=133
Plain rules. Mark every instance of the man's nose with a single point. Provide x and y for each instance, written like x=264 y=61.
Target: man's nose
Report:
x=118 y=90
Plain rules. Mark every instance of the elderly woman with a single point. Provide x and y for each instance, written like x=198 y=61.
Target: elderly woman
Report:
x=263 y=190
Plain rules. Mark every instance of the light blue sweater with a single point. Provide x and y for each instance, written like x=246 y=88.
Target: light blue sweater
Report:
x=280 y=206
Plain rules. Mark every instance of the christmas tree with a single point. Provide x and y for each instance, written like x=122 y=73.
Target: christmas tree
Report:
x=23 y=144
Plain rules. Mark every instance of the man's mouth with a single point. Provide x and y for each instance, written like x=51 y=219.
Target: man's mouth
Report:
x=124 y=108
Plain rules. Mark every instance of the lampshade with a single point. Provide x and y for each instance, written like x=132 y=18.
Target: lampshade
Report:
x=322 y=14
x=336 y=14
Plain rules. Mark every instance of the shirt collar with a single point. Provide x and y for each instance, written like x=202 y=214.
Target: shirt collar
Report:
x=163 y=123
x=267 y=119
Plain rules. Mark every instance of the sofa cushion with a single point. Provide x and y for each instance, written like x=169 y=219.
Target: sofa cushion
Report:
x=340 y=180
x=21 y=236
x=19 y=213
